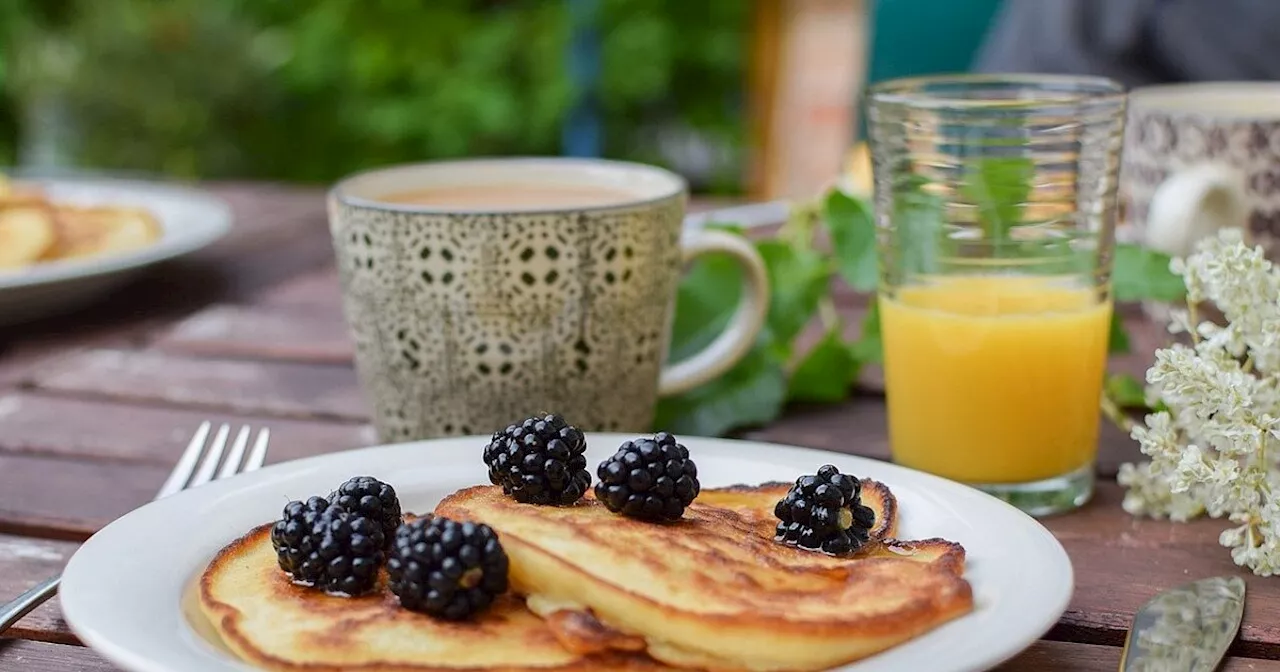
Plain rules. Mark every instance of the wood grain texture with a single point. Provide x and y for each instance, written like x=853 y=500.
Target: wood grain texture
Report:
x=37 y=425
x=24 y=562
x=1067 y=656
x=20 y=656
x=284 y=389
x=319 y=290
x=272 y=333
x=1040 y=657
x=1121 y=562
x=68 y=498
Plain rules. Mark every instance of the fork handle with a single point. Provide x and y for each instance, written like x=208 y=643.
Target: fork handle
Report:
x=24 y=603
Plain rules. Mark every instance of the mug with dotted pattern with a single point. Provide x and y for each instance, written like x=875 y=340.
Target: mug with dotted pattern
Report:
x=469 y=317
x=1200 y=157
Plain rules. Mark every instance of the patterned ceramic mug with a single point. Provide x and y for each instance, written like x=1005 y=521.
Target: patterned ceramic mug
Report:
x=1200 y=157
x=471 y=309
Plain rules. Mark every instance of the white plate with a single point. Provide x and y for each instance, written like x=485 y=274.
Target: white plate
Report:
x=123 y=591
x=191 y=219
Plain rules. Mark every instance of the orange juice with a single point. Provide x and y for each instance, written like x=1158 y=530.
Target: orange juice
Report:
x=994 y=379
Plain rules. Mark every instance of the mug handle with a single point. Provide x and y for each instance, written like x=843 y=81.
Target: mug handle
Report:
x=730 y=346
x=1193 y=204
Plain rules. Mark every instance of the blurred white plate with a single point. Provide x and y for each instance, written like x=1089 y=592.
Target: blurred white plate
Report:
x=191 y=219
x=129 y=591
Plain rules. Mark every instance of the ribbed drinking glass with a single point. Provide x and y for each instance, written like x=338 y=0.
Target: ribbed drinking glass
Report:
x=995 y=202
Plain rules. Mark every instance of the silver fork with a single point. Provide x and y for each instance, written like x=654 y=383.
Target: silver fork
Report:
x=184 y=476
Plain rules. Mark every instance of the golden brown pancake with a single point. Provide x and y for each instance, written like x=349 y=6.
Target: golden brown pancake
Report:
x=26 y=233
x=272 y=623
x=92 y=231
x=756 y=502
x=714 y=589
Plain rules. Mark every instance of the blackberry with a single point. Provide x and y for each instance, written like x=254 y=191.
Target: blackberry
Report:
x=445 y=568
x=539 y=461
x=371 y=498
x=650 y=479
x=326 y=546
x=824 y=512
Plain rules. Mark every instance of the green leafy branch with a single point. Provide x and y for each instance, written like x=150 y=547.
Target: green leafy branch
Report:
x=803 y=273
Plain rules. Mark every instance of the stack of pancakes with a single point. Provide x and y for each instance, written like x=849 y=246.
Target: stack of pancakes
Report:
x=592 y=590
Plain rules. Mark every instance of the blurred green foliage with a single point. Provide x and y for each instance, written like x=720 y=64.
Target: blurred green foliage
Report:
x=309 y=91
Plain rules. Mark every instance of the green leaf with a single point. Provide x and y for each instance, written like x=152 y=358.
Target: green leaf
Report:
x=705 y=301
x=870 y=348
x=999 y=186
x=919 y=217
x=825 y=372
x=1118 y=343
x=798 y=279
x=1125 y=391
x=751 y=393
x=1143 y=274
x=853 y=235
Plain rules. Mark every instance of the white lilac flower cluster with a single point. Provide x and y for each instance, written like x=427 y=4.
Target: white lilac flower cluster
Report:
x=1214 y=443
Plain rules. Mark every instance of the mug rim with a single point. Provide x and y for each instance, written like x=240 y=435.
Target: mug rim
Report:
x=1166 y=99
x=677 y=188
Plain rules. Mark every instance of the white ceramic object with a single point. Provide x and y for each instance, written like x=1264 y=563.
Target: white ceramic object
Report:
x=128 y=592
x=191 y=220
x=1201 y=157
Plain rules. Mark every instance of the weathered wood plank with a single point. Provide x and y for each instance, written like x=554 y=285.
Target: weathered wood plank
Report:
x=24 y=562
x=1042 y=656
x=260 y=332
x=280 y=232
x=1048 y=656
x=70 y=499
x=317 y=290
x=1121 y=562
x=283 y=389
x=22 y=656
x=45 y=426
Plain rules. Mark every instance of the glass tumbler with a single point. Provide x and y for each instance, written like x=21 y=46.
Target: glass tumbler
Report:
x=995 y=200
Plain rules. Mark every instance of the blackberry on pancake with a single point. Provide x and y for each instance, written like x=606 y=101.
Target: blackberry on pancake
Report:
x=648 y=479
x=371 y=498
x=445 y=568
x=539 y=461
x=323 y=545
x=824 y=512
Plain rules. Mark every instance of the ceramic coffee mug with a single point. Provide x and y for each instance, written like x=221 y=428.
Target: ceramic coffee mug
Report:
x=1201 y=157
x=471 y=310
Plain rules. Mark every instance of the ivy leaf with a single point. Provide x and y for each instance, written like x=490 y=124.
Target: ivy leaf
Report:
x=751 y=393
x=920 y=216
x=870 y=348
x=1118 y=343
x=999 y=186
x=825 y=372
x=853 y=235
x=1141 y=273
x=705 y=301
x=798 y=279
x=1125 y=391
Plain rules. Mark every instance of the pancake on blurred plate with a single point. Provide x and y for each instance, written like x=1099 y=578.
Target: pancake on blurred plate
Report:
x=35 y=229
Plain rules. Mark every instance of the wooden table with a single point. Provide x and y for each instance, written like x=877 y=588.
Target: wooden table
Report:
x=95 y=408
